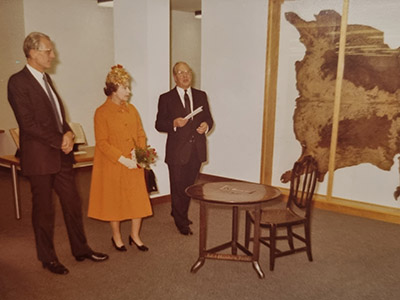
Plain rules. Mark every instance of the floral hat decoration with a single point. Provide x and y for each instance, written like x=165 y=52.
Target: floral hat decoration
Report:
x=118 y=75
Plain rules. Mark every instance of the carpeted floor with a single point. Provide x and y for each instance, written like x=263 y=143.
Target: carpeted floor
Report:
x=354 y=258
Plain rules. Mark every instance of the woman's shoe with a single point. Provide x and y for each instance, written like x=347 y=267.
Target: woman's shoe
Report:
x=141 y=248
x=122 y=248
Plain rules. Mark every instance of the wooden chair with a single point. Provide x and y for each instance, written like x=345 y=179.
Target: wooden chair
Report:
x=14 y=132
x=83 y=158
x=297 y=212
x=80 y=137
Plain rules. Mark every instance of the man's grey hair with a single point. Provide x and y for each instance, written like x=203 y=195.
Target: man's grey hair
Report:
x=32 y=41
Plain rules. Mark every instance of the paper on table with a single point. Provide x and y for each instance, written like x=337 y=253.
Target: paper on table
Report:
x=195 y=112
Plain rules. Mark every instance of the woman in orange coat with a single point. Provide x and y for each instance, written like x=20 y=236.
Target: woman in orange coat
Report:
x=118 y=189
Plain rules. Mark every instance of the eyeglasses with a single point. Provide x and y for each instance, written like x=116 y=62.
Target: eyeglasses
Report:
x=47 y=51
x=181 y=73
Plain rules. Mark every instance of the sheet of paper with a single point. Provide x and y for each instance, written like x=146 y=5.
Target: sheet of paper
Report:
x=193 y=113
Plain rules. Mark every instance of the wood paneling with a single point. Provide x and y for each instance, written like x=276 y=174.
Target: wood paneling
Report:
x=271 y=74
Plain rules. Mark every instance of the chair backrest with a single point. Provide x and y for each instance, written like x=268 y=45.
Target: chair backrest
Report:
x=80 y=137
x=14 y=132
x=302 y=185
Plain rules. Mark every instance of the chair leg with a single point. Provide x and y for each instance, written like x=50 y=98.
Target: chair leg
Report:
x=308 y=241
x=247 y=231
x=290 y=237
x=272 y=246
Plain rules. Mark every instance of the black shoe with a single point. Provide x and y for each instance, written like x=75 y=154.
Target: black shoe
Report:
x=95 y=256
x=141 y=248
x=185 y=231
x=55 y=267
x=122 y=248
x=189 y=221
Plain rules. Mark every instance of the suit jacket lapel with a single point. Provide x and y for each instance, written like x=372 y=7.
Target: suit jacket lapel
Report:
x=197 y=102
x=58 y=97
x=35 y=85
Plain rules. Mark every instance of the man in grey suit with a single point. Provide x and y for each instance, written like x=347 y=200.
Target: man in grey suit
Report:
x=186 y=147
x=46 y=143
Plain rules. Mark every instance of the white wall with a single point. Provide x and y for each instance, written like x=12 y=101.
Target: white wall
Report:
x=364 y=182
x=141 y=33
x=186 y=43
x=233 y=75
x=83 y=36
x=12 y=58
x=232 y=67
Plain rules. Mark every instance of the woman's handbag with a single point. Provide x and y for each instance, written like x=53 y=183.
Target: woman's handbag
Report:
x=145 y=157
x=150 y=179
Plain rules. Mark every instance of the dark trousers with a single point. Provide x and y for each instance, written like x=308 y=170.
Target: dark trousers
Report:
x=43 y=212
x=180 y=177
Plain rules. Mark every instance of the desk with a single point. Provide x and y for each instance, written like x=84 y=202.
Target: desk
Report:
x=234 y=194
x=82 y=159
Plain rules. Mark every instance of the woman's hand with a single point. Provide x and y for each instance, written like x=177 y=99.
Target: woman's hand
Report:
x=129 y=163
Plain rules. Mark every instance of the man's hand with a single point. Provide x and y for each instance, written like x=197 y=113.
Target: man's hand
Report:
x=180 y=122
x=68 y=142
x=202 y=128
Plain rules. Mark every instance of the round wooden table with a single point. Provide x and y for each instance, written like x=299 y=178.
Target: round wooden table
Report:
x=235 y=194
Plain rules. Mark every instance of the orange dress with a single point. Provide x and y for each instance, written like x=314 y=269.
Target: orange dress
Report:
x=116 y=192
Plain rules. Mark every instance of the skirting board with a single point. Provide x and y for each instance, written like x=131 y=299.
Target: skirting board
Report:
x=160 y=199
x=344 y=206
x=355 y=208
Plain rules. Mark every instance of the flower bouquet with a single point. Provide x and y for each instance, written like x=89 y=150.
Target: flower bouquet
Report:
x=145 y=156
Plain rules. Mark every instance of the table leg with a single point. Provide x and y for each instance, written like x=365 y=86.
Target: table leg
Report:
x=256 y=241
x=235 y=229
x=202 y=239
x=15 y=191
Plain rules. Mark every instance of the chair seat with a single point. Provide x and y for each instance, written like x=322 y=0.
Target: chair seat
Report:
x=303 y=179
x=277 y=216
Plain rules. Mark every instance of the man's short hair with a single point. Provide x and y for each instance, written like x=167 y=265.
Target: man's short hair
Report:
x=180 y=63
x=32 y=41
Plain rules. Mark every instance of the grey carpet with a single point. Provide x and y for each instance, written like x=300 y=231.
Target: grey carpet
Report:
x=354 y=258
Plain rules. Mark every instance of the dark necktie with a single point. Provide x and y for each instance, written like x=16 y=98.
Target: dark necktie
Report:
x=53 y=103
x=187 y=103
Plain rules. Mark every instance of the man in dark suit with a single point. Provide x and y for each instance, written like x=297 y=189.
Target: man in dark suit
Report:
x=186 y=147
x=46 y=143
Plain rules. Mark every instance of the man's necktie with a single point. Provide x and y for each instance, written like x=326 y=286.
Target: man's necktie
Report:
x=187 y=103
x=53 y=103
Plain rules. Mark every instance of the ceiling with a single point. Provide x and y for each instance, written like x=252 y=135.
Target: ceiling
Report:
x=186 y=5
x=181 y=5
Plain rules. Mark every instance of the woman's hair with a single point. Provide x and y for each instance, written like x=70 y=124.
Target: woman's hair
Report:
x=32 y=41
x=110 y=88
x=116 y=77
